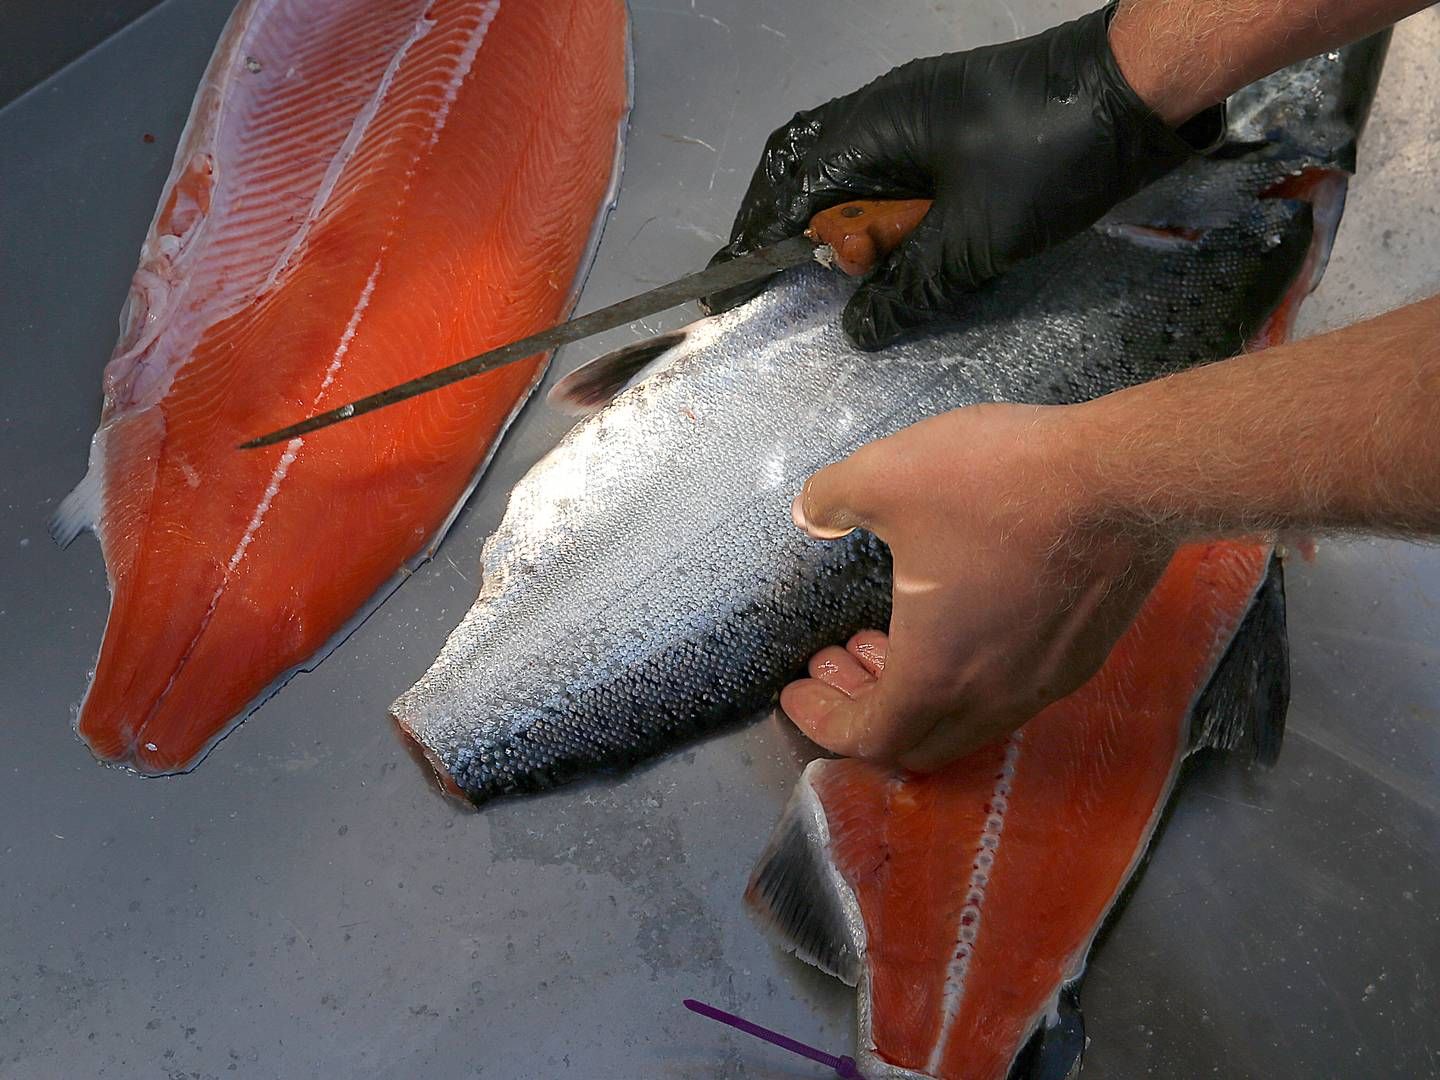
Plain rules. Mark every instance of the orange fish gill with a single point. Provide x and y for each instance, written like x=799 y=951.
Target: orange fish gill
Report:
x=365 y=190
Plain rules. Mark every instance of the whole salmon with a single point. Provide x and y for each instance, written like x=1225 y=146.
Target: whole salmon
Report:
x=365 y=190
x=646 y=584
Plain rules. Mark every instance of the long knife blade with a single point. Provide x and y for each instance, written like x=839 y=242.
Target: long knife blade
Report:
x=728 y=275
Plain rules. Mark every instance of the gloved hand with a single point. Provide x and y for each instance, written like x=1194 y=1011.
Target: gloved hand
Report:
x=1021 y=145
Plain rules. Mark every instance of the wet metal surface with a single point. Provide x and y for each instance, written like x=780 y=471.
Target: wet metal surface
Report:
x=306 y=905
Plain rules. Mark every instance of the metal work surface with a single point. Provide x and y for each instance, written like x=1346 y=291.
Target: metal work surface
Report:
x=305 y=904
x=42 y=36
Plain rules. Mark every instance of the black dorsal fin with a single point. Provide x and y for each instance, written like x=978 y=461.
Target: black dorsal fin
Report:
x=593 y=384
x=1244 y=704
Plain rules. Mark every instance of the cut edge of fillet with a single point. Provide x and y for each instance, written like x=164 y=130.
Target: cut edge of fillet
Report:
x=430 y=761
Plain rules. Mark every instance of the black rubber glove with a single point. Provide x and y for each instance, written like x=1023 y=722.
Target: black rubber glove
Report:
x=1021 y=145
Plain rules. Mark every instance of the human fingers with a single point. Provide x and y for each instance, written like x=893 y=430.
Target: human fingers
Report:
x=842 y=497
x=914 y=284
x=869 y=647
x=777 y=203
x=841 y=669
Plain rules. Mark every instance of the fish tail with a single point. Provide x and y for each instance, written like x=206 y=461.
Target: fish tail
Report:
x=1244 y=705
x=797 y=894
x=1314 y=111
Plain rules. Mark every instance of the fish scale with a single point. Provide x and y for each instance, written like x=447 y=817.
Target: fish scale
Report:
x=649 y=569
x=648 y=565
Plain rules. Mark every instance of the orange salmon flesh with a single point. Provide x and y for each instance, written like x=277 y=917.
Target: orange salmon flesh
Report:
x=366 y=190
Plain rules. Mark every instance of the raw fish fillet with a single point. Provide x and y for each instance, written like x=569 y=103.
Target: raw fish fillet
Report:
x=964 y=903
x=365 y=190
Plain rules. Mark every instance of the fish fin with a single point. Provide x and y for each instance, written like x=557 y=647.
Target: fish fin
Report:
x=593 y=384
x=1245 y=702
x=1057 y=1048
x=798 y=896
x=78 y=511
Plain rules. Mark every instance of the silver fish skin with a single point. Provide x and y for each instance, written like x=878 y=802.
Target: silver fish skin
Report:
x=646 y=584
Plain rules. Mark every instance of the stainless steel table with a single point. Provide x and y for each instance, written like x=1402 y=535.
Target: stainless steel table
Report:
x=306 y=905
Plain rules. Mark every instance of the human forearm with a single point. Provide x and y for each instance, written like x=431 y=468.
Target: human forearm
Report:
x=1337 y=433
x=1182 y=56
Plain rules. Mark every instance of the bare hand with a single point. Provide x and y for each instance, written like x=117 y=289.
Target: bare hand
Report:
x=1007 y=594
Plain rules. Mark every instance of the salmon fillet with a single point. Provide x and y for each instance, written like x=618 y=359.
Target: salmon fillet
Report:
x=964 y=903
x=366 y=190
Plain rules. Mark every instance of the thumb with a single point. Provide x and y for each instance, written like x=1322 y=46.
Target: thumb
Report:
x=907 y=290
x=839 y=499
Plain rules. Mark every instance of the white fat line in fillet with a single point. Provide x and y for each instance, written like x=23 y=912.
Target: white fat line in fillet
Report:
x=987 y=850
x=292 y=448
x=363 y=119
x=462 y=70
x=361 y=124
x=292 y=451
x=349 y=332
x=286 y=459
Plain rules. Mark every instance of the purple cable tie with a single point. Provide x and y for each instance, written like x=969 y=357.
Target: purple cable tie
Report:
x=843 y=1066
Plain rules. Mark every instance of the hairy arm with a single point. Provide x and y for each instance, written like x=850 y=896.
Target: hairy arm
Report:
x=1026 y=538
x=1182 y=56
x=1336 y=433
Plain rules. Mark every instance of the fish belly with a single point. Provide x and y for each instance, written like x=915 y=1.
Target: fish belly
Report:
x=366 y=190
x=971 y=896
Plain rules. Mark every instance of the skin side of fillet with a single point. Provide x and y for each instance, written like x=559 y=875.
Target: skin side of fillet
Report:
x=366 y=190
x=646 y=585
